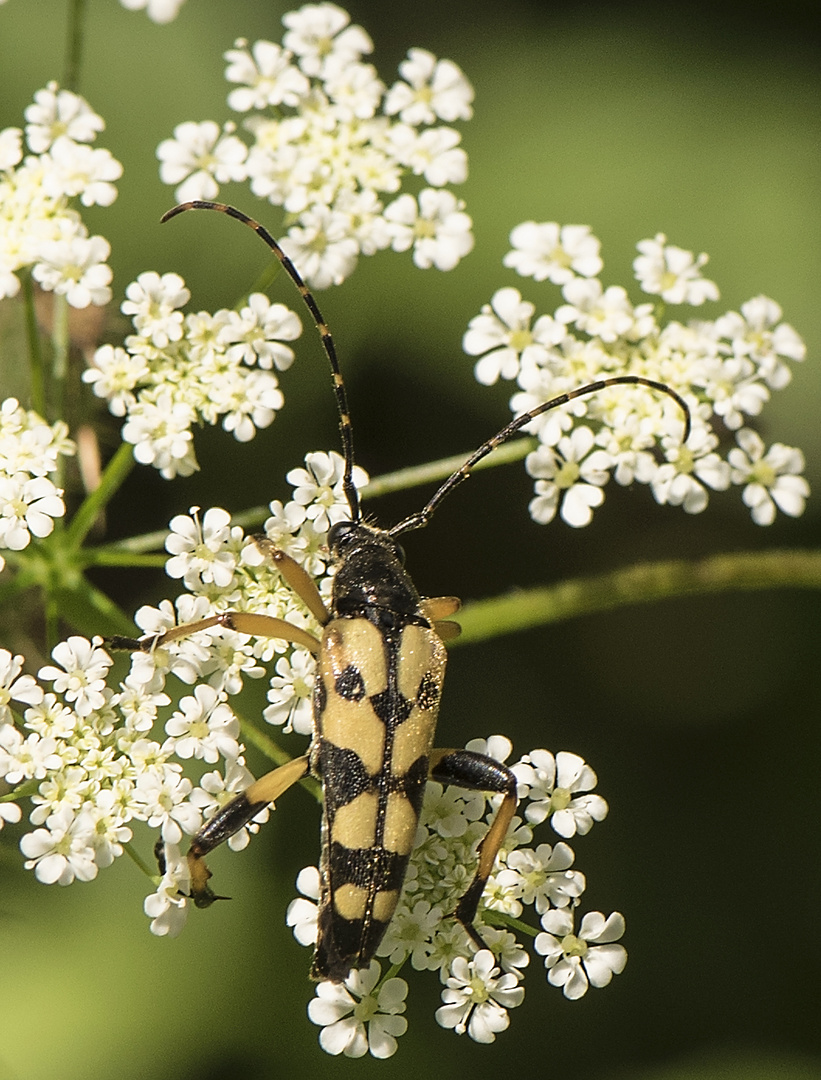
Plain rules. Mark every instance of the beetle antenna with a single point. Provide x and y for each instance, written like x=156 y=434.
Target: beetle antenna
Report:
x=423 y=516
x=345 y=428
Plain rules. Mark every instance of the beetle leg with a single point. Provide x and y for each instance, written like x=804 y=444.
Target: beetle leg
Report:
x=296 y=578
x=244 y=622
x=232 y=817
x=476 y=772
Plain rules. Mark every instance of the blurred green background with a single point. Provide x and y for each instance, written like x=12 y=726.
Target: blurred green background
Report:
x=700 y=716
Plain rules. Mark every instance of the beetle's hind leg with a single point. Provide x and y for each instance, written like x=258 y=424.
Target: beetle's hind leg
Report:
x=477 y=772
x=232 y=817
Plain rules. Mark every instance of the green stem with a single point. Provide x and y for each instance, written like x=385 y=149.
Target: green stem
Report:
x=112 y=479
x=641 y=584
x=38 y=386
x=418 y=475
x=74 y=44
x=131 y=852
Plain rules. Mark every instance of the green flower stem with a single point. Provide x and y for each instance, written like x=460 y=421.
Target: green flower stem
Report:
x=112 y=479
x=418 y=475
x=38 y=386
x=74 y=45
x=59 y=360
x=131 y=852
x=641 y=584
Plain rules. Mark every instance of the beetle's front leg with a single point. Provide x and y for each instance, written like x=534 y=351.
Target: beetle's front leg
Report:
x=477 y=772
x=232 y=817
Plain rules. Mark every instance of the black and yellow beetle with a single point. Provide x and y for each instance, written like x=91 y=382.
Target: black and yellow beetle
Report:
x=380 y=668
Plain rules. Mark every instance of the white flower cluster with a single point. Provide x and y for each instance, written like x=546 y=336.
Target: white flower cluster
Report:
x=92 y=760
x=725 y=369
x=39 y=228
x=30 y=450
x=180 y=370
x=88 y=754
x=330 y=141
x=479 y=986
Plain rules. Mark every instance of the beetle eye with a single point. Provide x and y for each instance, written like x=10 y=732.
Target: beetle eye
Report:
x=339 y=533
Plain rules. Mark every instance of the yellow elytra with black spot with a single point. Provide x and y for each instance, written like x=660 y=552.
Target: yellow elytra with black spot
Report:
x=381 y=664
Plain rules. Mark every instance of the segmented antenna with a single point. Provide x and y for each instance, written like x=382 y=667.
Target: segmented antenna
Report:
x=345 y=429
x=423 y=516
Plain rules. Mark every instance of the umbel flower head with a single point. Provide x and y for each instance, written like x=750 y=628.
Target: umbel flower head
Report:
x=40 y=225
x=321 y=136
x=725 y=369
x=103 y=761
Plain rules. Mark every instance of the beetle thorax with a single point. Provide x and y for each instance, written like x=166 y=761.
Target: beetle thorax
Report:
x=370 y=575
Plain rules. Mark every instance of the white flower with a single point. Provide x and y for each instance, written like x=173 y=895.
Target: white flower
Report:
x=572 y=960
x=758 y=333
x=290 y=693
x=82 y=673
x=199 y=550
x=477 y=997
x=570 y=473
x=321 y=247
x=168 y=906
x=152 y=302
x=410 y=932
x=555 y=788
x=9 y=812
x=14 y=686
x=354 y=1020
x=606 y=314
x=257 y=337
x=434 y=89
x=548 y=251
x=61 y=853
x=75 y=268
x=28 y=506
x=199 y=158
x=319 y=35
x=543 y=877
x=319 y=488
x=115 y=375
x=690 y=469
x=771 y=479
x=159 y=11
x=434 y=154
x=265 y=74
x=302 y=913
x=11 y=148
x=161 y=434
x=161 y=799
x=503 y=337
x=204 y=727
x=672 y=273
x=57 y=113
x=75 y=169
x=437 y=228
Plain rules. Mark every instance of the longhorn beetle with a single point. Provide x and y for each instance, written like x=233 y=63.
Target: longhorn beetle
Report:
x=380 y=667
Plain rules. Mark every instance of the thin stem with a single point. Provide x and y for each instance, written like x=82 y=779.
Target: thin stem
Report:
x=131 y=852
x=74 y=44
x=38 y=386
x=417 y=475
x=112 y=479
x=59 y=361
x=641 y=584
